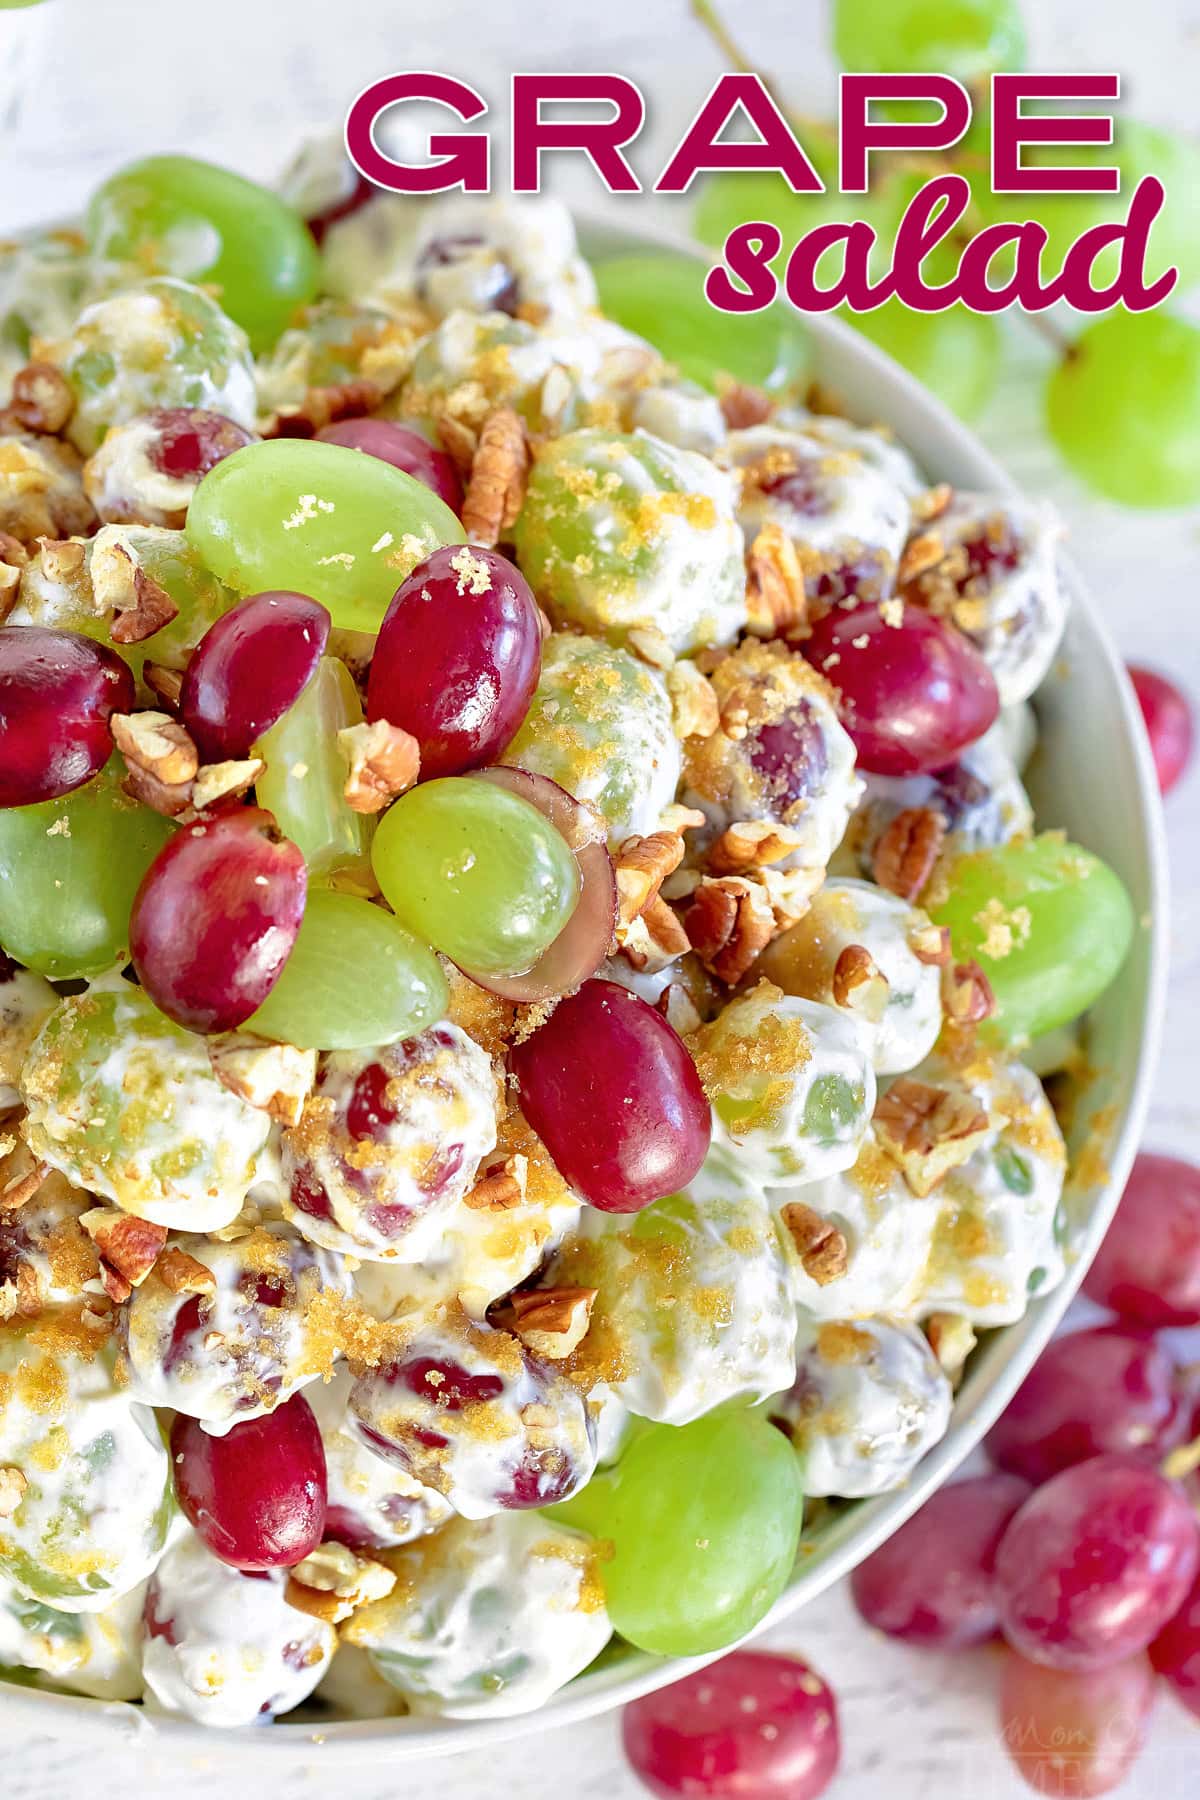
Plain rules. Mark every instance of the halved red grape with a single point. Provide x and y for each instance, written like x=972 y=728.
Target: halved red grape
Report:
x=191 y=441
x=754 y=1726
x=251 y=665
x=1168 y=718
x=1094 y=1564
x=457 y=658
x=1095 y=1391
x=405 y=449
x=1148 y=1267
x=215 y=918
x=612 y=1092
x=586 y=938
x=914 y=693
x=257 y=1495
x=1175 y=1653
x=1074 y=1733
x=931 y=1583
x=57 y=693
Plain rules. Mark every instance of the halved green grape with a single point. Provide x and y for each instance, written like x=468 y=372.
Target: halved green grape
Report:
x=661 y=298
x=477 y=872
x=304 y=780
x=176 y=215
x=704 y=1520
x=955 y=354
x=965 y=38
x=1124 y=408
x=69 y=870
x=320 y=520
x=355 y=977
x=1047 y=922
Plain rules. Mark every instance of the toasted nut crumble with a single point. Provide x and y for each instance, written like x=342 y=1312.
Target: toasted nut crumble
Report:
x=641 y=866
x=743 y=406
x=276 y=1078
x=730 y=919
x=907 y=851
x=333 y=1582
x=157 y=743
x=499 y=473
x=820 y=1246
x=501 y=1188
x=183 y=1274
x=930 y=944
x=952 y=1340
x=775 y=598
x=12 y=1490
x=128 y=1246
x=42 y=398
x=225 y=781
x=967 y=996
x=751 y=844
x=695 y=710
x=383 y=762
x=928 y=1130
x=552 y=1322
x=859 y=984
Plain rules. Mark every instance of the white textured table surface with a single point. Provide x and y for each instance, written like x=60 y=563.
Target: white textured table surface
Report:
x=238 y=80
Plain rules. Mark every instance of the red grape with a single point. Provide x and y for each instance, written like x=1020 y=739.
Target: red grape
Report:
x=913 y=694
x=1071 y=1732
x=931 y=1582
x=1094 y=1564
x=612 y=1092
x=358 y=191
x=1106 y=1389
x=754 y=1726
x=57 y=693
x=250 y=666
x=191 y=441
x=1148 y=1267
x=458 y=658
x=215 y=918
x=1168 y=718
x=257 y=1495
x=404 y=449
x=1175 y=1653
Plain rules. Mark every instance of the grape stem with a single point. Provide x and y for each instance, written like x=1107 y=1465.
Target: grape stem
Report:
x=1051 y=334
x=707 y=15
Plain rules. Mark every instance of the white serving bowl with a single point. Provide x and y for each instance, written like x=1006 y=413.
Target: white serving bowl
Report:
x=1093 y=776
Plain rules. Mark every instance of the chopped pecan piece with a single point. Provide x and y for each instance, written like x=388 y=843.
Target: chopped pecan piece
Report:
x=332 y=1582
x=930 y=944
x=275 y=1078
x=165 y=684
x=695 y=709
x=679 y=1009
x=127 y=1245
x=641 y=866
x=654 y=939
x=139 y=606
x=173 y=801
x=932 y=503
x=743 y=406
x=775 y=598
x=821 y=1247
x=952 y=1340
x=13 y=558
x=648 y=643
x=552 y=1322
x=42 y=398
x=499 y=473
x=921 y=553
x=458 y=441
x=225 y=780
x=859 y=984
x=751 y=844
x=501 y=1188
x=19 y=1188
x=928 y=1130
x=183 y=1274
x=157 y=744
x=12 y=1490
x=967 y=996
x=323 y=406
x=383 y=761
x=907 y=851
x=730 y=919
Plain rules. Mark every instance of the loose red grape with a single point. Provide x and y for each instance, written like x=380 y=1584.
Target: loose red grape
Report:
x=251 y=665
x=1074 y=1733
x=914 y=694
x=754 y=1726
x=1168 y=718
x=1094 y=1564
x=257 y=1495
x=457 y=658
x=1175 y=1653
x=215 y=918
x=1148 y=1267
x=57 y=693
x=931 y=1583
x=404 y=449
x=191 y=441
x=1102 y=1390
x=612 y=1092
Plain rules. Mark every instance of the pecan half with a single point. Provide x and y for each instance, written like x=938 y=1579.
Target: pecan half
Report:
x=907 y=851
x=383 y=761
x=928 y=1130
x=275 y=1078
x=42 y=398
x=751 y=844
x=730 y=919
x=641 y=866
x=821 y=1247
x=499 y=474
x=128 y=1246
x=859 y=985
x=501 y=1188
x=552 y=1322
x=157 y=744
x=184 y=1274
x=775 y=597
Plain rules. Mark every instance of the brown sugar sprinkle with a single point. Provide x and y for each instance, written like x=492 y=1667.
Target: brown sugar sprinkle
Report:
x=552 y=1322
x=775 y=593
x=383 y=761
x=42 y=399
x=751 y=844
x=484 y=1016
x=908 y=850
x=184 y=1274
x=820 y=1246
x=499 y=474
x=928 y=1130
x=641 y=866
x=728 y=922
x=743 y=406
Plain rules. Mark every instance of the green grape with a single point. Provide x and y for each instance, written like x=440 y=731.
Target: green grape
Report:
x=162 y=343
x=661 y=298
x=328 y=345
x=476 y=872
x=1123 y=407
x=69 y=870
x=305 y=775
x=355 y=977
x=955 y=354
x=704 y=1520
x=321 y=520
x=176 y=215
x=1047 y=922
x=965 y=38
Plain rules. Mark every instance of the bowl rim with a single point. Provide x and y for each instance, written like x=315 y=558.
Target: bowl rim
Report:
x=867 y=1523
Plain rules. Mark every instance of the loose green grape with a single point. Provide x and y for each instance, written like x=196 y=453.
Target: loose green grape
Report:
x=69 y=870
x=704 y=1520
x=965 y=38
x=1124 y=408
x=321 y=520
x=661 y=298
x=955 y=354
x=304 y=780
x=477 y=872
x=179 y=216
x=355 y=977
x=1047 y=922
